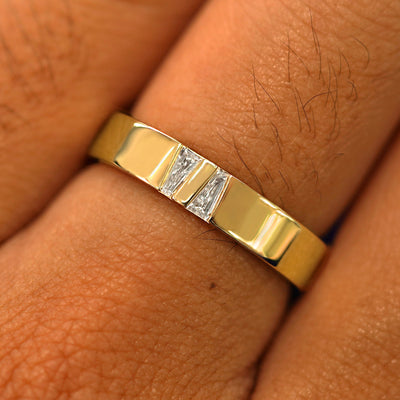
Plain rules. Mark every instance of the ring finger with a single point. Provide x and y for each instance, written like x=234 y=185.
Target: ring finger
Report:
x=300 y=115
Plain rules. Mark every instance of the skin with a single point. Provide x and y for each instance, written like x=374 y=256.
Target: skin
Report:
x=108 y=290
x=77 y=54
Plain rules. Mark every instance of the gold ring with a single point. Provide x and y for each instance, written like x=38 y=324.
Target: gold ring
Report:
x=212 y=194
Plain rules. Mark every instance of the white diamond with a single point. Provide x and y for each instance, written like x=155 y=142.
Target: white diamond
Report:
x=185 y=163
x=204 y=204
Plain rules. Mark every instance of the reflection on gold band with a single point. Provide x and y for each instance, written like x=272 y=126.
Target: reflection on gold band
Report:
x=223 y=200
x=194 y=182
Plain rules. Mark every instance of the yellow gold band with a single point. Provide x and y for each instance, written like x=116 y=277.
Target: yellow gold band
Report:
x=212 y=194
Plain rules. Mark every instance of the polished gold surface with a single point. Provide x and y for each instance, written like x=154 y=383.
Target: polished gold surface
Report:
x=194 y=182
x=147 y=154
x=229 y=204
x=255 y=222
x=136 y=148
x=114 y=134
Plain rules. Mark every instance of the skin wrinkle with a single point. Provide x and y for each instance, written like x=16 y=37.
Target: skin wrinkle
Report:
x=13 y=10
x=10 y=63
x=16 y=116
x=33 y=37
x=43 y=32
x=56 y=367
x=62 y=331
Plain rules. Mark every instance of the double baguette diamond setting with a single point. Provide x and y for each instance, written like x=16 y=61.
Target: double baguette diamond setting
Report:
x=211 y=194
x=208 y=191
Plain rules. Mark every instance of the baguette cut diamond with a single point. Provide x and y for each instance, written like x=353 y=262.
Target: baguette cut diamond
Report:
x=186 y=161
x=204 y=204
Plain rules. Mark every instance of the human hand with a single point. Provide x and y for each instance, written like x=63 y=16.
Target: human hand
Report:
x=112 y=291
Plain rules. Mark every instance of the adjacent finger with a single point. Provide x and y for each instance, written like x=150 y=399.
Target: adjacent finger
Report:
x=63 y=67
x=343 y=339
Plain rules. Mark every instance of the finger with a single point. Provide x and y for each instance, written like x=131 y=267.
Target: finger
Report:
x=142 y=302
x=63 y=67
x=293 y=107
x=342 y=341
x=192 y=315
